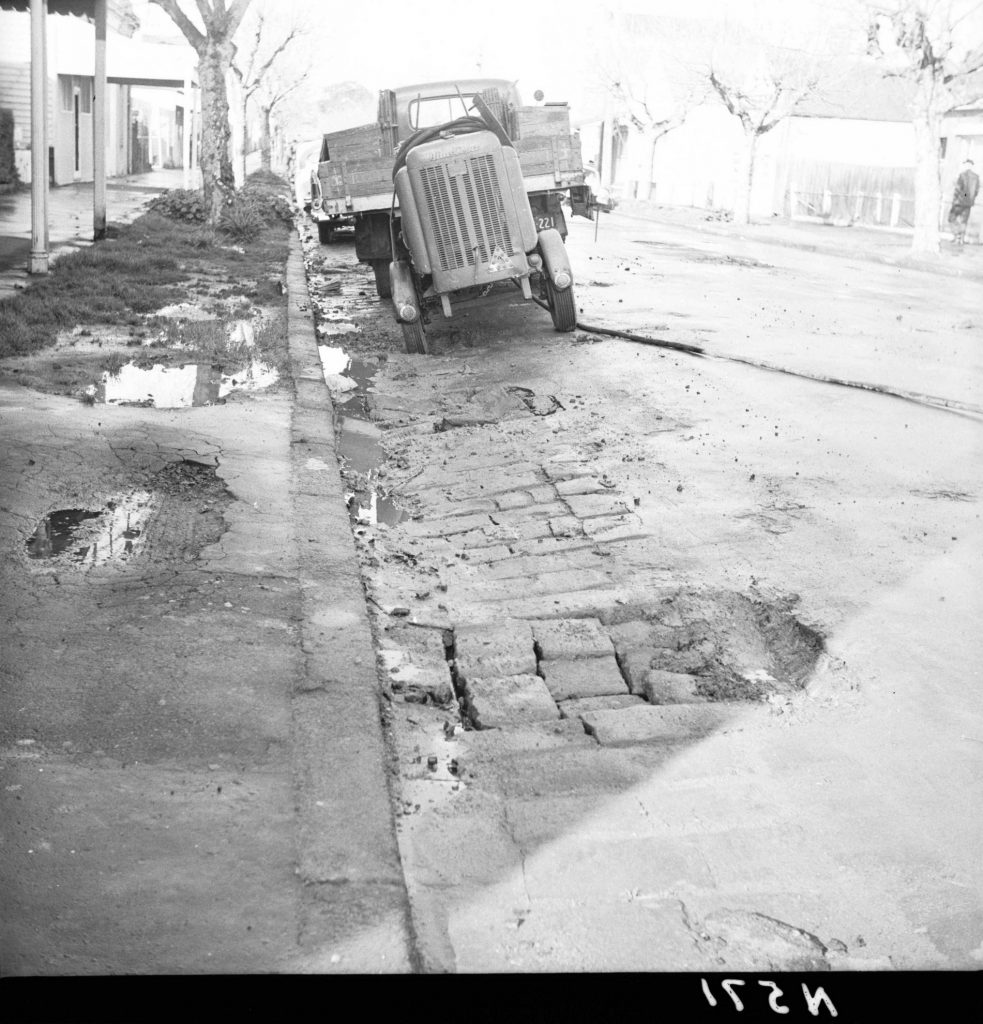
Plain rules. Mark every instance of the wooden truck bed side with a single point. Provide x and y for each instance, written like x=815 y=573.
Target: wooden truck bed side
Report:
x=355 y=163
x=546 y=148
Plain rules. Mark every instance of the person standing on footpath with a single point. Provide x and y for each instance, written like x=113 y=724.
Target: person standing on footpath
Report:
x=965 y=193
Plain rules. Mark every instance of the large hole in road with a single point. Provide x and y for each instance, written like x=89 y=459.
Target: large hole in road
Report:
x=178 y=508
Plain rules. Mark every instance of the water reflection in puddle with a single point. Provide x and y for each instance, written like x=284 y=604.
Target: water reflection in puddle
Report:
x=179 y=387
x=93 y=537
x=359 y=439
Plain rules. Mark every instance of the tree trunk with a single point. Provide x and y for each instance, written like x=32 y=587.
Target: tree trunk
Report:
x=928 y=110
x=216 y=165
x=265 y=137
x=242 y=144
x=745 y=178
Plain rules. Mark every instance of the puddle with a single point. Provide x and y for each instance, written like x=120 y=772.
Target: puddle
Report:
x=359 y=439
x=90 y=537
x=178 y=387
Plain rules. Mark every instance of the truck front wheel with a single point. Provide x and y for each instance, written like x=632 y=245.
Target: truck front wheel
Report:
x=414 y=339
x=325 y=232
x=563 y=306
x=383 y=286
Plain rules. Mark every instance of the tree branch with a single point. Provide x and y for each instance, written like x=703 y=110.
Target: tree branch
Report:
x=188 y=28
x=290 y=36
x=235 y=15
x=207 y=14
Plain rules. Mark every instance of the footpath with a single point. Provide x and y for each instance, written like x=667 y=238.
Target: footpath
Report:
x=851 y=242
x=194 y=773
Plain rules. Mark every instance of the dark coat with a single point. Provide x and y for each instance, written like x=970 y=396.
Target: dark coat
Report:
x=967 y=189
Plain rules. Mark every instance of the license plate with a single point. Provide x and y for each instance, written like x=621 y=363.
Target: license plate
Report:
x=543 y=223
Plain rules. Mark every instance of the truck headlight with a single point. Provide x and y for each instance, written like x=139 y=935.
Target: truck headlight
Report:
x=562 y=279
x=408 y=313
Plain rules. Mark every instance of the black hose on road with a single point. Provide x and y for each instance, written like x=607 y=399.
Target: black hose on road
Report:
x=930 y=401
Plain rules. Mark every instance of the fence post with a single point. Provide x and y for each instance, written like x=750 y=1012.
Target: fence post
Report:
x=858 y=207
x=879 y=208
x=895 y=209
x=827 y=202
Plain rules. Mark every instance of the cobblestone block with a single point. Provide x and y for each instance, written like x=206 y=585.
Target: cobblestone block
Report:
x=502 y=649
x=540 y=583
x=660 y=687
x=635 y=663
x=605 y=529
x=493 y=484
x=580 y=485
x=549 y=561
x=438 y=506
x=646 y=634
x=592 y=677
x=412 y=672
x=413 y=639
x=585 y=506
x=495 y=703
x=563 y=469
x=529 y=529
x=647 y=723
x=581 y=705
x=523 y=515
x=566 y=526
x=544 y=494
x=571 y=638
x=444 y=527
x=514 y=500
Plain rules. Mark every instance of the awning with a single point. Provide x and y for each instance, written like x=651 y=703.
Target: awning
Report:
x=135 y=63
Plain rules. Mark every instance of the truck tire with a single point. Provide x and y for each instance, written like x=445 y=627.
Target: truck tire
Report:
x=383 y=286
x=325 y=232
x=414 y=338
x=563 y=306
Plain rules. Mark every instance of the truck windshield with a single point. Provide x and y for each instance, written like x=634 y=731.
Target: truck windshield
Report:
x=429 y=111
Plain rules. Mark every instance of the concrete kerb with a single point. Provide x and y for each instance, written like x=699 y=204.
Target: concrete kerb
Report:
x=346 y=829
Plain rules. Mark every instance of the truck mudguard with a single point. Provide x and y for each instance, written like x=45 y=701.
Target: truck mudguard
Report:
x=404 y=295
x=555 y=257
x=517 y=186
x=410 y=219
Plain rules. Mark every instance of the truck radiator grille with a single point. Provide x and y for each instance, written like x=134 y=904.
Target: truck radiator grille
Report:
x=479 y=190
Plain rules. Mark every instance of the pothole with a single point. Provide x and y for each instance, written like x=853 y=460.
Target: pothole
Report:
x=86 y=537
x=182 y=506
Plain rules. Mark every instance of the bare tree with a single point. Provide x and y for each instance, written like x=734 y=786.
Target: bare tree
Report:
x=643 y=64
x=762 y=70
x=254 y=65
x=215 y=48
x=937 y=45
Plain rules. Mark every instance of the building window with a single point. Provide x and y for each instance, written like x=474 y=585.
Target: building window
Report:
x=65 y=88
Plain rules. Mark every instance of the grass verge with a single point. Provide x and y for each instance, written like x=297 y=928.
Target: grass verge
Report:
x=154 y=262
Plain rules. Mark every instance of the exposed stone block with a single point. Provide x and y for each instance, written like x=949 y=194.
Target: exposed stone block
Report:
x=581 y=705
x=501 y=649
x=646 y=634
x=636 y=662
x=590 y=677
x=664 y=723
x=580 y=485
x=494 y=703
x=571 y=638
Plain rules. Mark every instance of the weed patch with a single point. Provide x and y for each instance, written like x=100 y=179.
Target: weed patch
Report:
x=143 y=267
